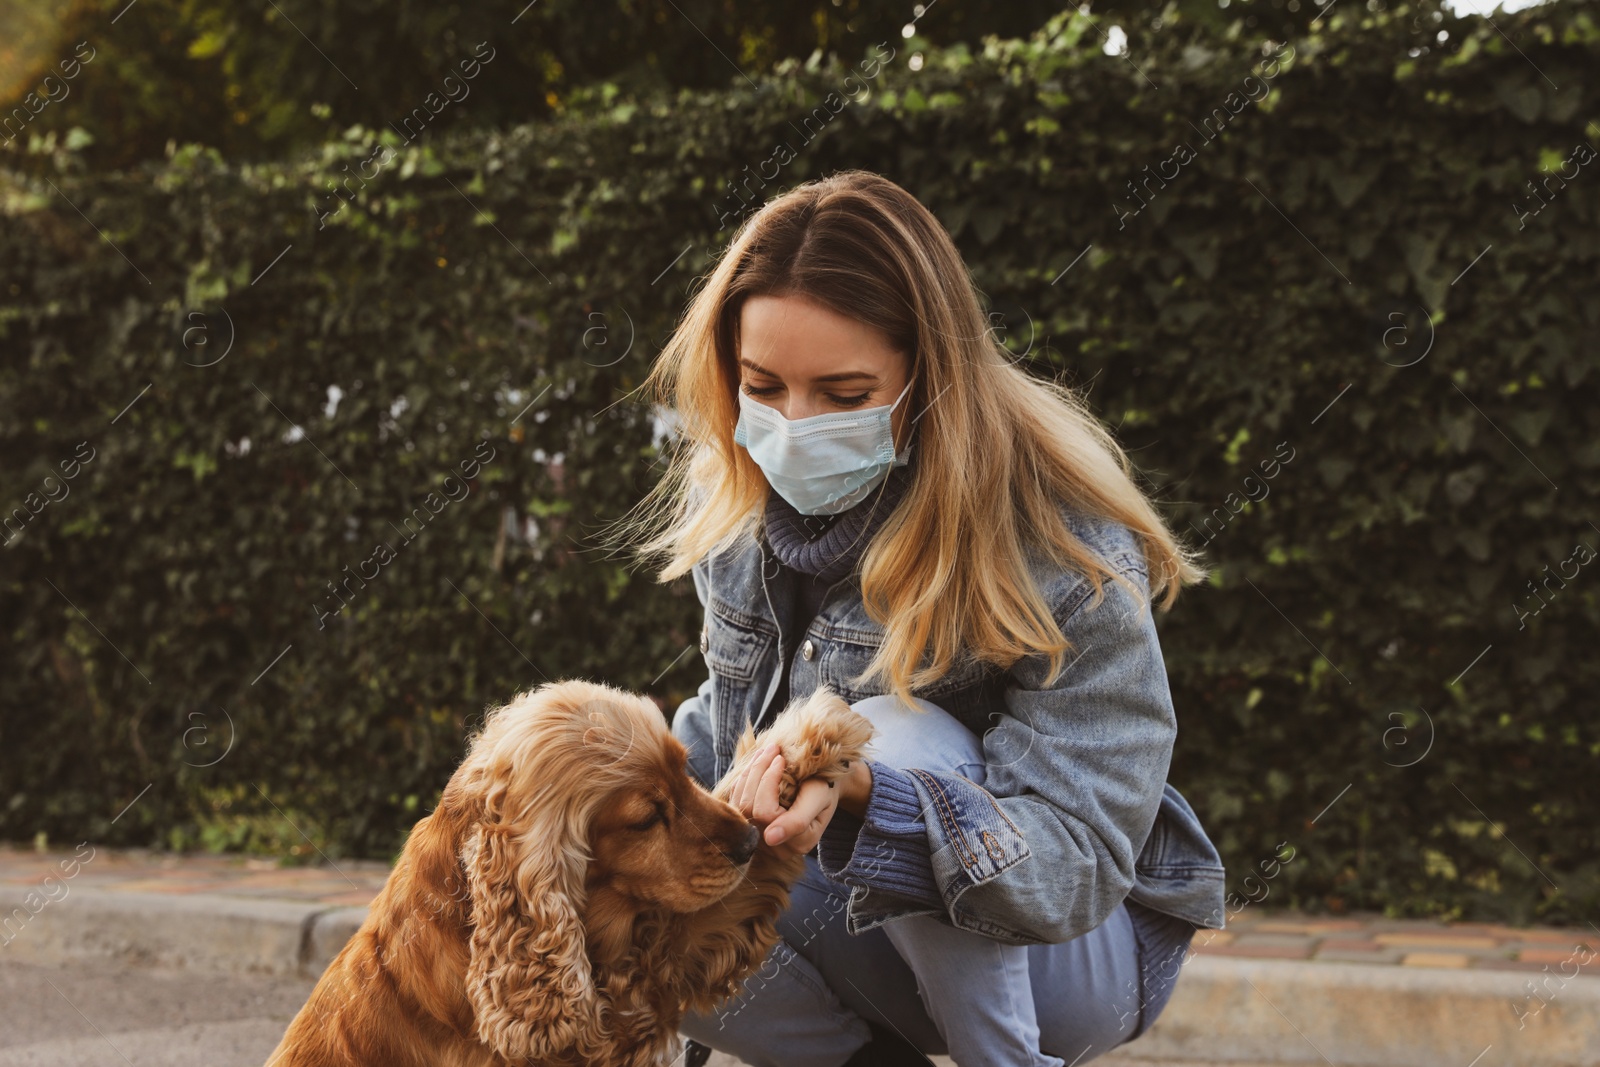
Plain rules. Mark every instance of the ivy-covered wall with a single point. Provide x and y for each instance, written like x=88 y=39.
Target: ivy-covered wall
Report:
x=297 y=478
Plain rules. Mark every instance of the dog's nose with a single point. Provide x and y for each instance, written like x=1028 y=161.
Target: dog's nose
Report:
x=746 y=847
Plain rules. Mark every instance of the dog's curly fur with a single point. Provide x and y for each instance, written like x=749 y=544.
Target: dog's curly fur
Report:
x=572 y=896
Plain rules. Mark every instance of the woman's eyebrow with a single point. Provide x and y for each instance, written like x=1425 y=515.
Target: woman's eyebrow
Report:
x=841 y=376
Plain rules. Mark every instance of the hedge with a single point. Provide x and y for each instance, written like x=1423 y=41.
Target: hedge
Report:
x=302 y=491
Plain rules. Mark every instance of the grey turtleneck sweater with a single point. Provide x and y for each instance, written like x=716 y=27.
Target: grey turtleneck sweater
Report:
x=820 y=550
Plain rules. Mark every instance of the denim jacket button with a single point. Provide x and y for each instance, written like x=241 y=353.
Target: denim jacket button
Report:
x=705 y=641
x=808 y=650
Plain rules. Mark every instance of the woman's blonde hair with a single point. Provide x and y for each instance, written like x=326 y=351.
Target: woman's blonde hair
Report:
x=1000 y=450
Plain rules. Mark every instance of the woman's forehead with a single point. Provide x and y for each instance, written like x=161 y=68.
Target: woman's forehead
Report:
x=798 y=340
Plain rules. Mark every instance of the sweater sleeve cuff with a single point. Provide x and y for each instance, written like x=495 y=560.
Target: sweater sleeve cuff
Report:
x=888 y=850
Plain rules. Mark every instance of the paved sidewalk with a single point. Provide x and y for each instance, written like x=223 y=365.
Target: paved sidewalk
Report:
x=140 y=871
x=1275 y=986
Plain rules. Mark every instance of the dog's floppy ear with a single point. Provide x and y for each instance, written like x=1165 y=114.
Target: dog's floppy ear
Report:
x=528 y=976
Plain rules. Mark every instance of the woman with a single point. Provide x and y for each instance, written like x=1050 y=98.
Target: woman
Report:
x=873 y=497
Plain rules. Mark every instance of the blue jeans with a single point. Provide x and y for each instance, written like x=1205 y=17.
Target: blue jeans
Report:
x=947 y=991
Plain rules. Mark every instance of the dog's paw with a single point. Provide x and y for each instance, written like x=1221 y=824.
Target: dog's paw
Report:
x=819 y=737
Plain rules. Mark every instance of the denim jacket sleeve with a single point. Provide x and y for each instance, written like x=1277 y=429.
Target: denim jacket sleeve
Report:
x=1075 y=771
x=886 y=851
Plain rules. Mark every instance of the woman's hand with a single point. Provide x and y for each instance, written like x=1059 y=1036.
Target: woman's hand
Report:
x=799 y=827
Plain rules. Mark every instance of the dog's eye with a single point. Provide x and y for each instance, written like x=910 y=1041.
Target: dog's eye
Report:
x=659 y=815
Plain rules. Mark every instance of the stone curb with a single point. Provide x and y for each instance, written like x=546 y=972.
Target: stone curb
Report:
x=330 y=929
x=198 y=930
x=1225 y=1010
x=1247 y=1011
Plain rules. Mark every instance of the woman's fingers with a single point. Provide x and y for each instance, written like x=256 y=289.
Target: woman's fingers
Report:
x=755 y=783
x=743 y=795
x=802 y=825
x=739 y=796
x=755 y=794
x=766 y=807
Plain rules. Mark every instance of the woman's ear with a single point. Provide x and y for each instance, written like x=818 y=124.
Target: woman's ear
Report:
x=528 y=975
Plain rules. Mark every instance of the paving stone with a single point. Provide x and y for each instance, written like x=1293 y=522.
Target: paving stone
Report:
x=1381 y=957
x=1255 y=940
x=1432 y=940
x=1435 y=959
x=1373 y=959
x=1263 y=952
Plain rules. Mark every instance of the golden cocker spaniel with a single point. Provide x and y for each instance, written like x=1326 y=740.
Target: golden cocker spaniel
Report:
x=574 y=893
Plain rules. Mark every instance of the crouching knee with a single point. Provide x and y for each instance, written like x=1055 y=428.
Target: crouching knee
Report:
x=921 y=735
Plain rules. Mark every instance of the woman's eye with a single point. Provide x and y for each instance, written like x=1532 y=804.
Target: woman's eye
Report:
x=850 y=401
x=832 y=398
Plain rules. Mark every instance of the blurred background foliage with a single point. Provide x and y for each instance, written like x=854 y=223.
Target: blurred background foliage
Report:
x=262 y=349
x=259 y=79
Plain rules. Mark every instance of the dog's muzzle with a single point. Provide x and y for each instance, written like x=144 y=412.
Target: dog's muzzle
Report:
x=740 y=853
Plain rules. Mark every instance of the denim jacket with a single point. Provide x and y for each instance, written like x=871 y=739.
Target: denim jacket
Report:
x=1075 y=813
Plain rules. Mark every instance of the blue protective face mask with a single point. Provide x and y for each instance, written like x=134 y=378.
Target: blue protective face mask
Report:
x=824 y=464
